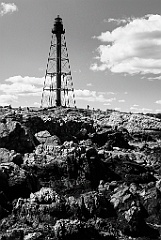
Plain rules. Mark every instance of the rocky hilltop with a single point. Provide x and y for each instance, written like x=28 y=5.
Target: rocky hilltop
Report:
x=79 y=174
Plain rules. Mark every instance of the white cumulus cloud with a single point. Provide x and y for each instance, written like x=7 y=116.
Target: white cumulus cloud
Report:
x=26 y=80
x=140 y=110
x=7 y=99
x=89 y=84
x=18 y=86
x=133 y=48
x=7 y=8
x=158 y=110
x=154 y=78
x=158 y=102
x=118 y=21
x=92 y=96
x=22 y=86
x=107 y=104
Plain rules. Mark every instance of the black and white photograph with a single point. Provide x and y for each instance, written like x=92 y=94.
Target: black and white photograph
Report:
x=80 y=120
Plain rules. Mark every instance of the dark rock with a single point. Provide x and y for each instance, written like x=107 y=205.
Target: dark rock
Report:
x=64 y=176
x=151 y=200
x=17 y=158
x=130 y=210
x=74 y=229
x=35 y=123
x=14 y=136
x=72 y=166
x=15 y=181
x=3 y=180
x=73 y=127
x=83 y=134
x=96 y=169
x=100 y=137
x=110 y=138
x=119 y=140
x=5 y=203
x=10 y=156
x=13 y=234
x=94 y=204
x=43 y=206
x=129 y=171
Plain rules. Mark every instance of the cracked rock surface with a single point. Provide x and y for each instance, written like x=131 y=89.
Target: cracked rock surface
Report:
x=79 y=174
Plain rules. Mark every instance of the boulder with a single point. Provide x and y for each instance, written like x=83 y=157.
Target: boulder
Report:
x=39 y=149
x=151 y=200
x=4 y=155
x=3 y=180
x=73 y=127
x=42 y=136
x=33 y=236
x=67 y=228
x=52 y=141
x=15 y=136
x=44 y=195
x=10 y=156
x=120 y=196
x=42 y=206
x=5 y=205
x=97 y=169
x=15 y=181
x=75 y=229
x=101 y=136
x=17 y=158
x=3 y=212
x=94 y=204
x=131 y=212
x=128 y=170
x=119 y=140
x=13 y=234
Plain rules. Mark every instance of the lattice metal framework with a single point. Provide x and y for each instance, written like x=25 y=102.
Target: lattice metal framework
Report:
x=58 y=87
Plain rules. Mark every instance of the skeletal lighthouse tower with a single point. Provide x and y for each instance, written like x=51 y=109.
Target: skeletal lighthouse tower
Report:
x=58 y=85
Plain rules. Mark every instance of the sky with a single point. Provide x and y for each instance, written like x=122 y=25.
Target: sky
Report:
x=114 y=48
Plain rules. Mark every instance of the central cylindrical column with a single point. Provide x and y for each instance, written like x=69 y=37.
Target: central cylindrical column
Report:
x=58 y=68
x=58 y=31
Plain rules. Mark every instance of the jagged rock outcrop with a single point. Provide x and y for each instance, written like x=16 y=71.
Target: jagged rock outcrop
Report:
x=132 y=122
x=10 y=156
x=68 y=175
x=132 y=214
x=42 y=136
x=15 y=181
x=5 y=155
x=14 y=136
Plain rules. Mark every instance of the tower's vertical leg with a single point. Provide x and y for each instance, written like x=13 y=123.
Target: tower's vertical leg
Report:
x=58 y=65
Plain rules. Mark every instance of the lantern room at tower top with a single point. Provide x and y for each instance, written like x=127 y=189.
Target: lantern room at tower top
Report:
x=58 y=26
x=58 y=85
